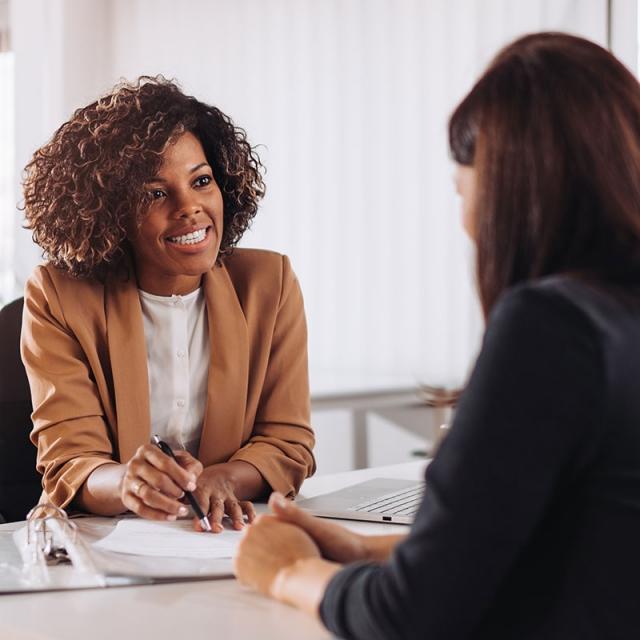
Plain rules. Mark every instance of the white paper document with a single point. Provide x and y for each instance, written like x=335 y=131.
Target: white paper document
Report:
x=169 y=539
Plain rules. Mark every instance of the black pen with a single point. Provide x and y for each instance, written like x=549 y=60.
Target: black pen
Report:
x=204 y=521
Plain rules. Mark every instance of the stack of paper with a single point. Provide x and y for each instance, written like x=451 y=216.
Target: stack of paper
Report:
x=169 y=539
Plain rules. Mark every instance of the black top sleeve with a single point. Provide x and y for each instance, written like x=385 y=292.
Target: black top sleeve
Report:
x=528 y=420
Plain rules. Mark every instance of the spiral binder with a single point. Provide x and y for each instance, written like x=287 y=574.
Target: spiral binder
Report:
x=52 y=539
x=53 y=552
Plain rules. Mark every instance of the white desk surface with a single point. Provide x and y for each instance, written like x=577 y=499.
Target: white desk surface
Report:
x=180 y=611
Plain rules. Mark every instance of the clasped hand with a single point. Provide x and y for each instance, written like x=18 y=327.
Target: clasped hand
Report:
x=153 y=487
x=276 y=544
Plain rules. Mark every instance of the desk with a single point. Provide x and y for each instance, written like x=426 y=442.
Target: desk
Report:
x=395 y=398
x=187 y=610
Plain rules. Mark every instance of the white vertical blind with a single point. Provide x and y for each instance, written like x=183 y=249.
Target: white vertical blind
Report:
x=60 y=51
x=623 y=34
x=7 y=151
x=7 y=194
x=349 y=100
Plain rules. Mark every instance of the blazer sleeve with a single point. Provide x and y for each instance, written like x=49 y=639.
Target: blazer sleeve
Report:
x=281 y=444
x=69 y=429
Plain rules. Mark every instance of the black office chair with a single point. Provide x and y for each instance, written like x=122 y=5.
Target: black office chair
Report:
x=20 y=483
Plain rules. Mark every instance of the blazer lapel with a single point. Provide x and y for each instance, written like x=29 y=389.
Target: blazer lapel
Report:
x=224 y=418
x=127 y=349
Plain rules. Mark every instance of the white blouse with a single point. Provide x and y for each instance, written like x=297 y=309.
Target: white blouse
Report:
x=178 y=353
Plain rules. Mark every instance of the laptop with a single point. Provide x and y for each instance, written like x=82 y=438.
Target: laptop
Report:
x=376 y=500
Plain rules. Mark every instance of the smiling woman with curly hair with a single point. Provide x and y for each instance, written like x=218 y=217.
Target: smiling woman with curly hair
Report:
x=145 y=319
x=86 y=186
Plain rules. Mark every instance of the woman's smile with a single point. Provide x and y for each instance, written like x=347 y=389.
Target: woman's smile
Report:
x=192 y=241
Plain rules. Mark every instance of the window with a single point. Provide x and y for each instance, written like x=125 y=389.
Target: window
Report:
x=7 y=155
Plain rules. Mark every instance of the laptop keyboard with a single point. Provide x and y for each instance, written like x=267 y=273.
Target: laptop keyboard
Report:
x=398 y=503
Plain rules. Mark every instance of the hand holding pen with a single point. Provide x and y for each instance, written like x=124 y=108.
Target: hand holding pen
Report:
x=202 y=518
x=153 y=483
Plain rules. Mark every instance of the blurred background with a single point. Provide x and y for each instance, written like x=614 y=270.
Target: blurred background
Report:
x=347 y=102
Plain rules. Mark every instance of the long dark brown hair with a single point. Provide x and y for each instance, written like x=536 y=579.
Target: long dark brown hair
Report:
x=553 y=131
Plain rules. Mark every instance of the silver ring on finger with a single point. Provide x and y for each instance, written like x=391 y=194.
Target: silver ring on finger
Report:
x=137 y=488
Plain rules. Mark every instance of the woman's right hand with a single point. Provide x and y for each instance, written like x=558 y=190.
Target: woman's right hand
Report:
x=153 y=483
x=335 y=542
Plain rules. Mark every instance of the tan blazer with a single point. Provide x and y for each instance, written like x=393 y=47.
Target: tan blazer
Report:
x=84 y=350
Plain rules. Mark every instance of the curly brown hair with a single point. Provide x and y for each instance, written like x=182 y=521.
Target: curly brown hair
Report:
x=85 y=187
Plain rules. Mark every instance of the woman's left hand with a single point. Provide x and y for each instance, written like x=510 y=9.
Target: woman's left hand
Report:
x=268 y=547
x=217 y=494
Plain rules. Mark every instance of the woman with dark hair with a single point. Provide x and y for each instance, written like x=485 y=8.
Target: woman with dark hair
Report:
x=530 y=521
x=145 y=319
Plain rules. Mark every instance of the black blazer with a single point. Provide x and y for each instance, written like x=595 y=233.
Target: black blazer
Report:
x=530 y=525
